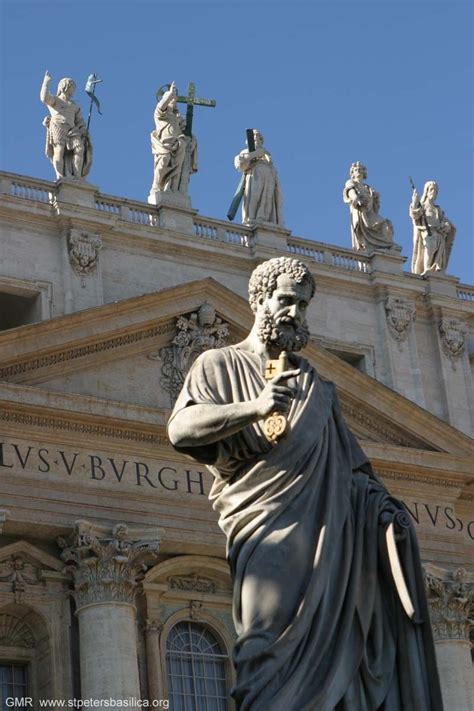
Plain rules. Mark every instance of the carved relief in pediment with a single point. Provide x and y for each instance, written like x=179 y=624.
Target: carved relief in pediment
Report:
x=194 y=334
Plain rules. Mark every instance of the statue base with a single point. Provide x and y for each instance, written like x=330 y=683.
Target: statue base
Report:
x=76 y=192
x=268 y=237
x=174 y=210
x=169 y=199
x=388 y=260
x=442 y=284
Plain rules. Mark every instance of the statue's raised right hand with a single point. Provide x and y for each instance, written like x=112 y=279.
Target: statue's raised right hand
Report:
x=276 y=397
x=47 y=76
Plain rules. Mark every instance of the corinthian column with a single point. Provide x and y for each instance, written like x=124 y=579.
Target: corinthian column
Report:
x=450 y=598
x=106 y=570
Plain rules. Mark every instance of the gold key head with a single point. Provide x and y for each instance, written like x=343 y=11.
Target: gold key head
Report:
x=276 y=366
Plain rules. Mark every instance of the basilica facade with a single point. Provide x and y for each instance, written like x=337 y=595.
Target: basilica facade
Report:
x=113 y=575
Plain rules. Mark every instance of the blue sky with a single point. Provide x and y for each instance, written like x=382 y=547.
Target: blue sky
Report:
x=327 y=83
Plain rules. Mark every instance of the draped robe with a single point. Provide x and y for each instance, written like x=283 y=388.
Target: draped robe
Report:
x=263 y=200
x=369 y=229
x=319 y=622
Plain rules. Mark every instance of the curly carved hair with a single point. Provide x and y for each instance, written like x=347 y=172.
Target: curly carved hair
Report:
x=263 y=280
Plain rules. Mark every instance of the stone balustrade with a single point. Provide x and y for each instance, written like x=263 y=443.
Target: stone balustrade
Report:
x=208 y=228
x=27 y=188
x=204 y=228
x=325 y=254
x=465 y=292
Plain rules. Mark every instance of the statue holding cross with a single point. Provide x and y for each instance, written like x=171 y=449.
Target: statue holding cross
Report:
x=172 y=142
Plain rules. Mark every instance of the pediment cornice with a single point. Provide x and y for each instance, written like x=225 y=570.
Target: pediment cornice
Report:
x=33 y=354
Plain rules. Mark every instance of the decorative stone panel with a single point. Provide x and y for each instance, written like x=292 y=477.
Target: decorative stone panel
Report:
x=400 y=315
x=15 y=633
x=192 y=583
x=20 y=573
x=453 y=338
x=83 y=252
x=194 y=334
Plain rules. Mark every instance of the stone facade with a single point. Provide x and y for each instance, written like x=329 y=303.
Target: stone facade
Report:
x=108 y=541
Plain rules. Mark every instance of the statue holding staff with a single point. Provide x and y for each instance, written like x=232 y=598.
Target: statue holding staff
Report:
x=68 y=143
x=328 y=595
x=433 y=233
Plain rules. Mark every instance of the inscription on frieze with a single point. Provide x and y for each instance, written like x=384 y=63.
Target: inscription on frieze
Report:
x=152 y=475
x=102 y=468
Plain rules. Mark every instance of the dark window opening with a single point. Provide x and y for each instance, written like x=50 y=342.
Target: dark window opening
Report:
x=355 y=359
x=13 y=684
x=16 y=310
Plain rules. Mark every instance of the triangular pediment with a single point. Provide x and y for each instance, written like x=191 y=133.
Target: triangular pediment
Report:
x=31 y=559
x=106 y=361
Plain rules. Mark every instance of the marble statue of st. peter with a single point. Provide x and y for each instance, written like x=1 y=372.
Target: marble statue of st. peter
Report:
x=324 y=620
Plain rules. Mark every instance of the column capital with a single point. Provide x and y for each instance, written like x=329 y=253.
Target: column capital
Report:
x=107 y=568
x=450 y=598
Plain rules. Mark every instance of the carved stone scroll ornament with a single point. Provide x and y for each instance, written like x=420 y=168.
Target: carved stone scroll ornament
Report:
x=83 y=252
x=195 y=334
x=453 y=338
x=105 y=569
x=194 y=582
x=400 y=316
x=19 y=573
x=450 y=604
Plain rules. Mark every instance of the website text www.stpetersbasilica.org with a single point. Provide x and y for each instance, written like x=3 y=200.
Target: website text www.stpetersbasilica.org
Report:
x=26 y=702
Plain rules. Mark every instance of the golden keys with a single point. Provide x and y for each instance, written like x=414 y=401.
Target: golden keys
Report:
x=275 y=425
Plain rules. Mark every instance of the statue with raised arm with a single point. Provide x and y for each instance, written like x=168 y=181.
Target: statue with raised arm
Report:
x=169 y=145
x=328 y=596
x=262 y=197
x=369 y=230
x=68 y=143
x=433 y=233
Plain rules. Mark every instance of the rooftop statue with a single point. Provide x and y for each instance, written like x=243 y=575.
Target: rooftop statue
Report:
x=260 y=187
x=68 y=143
x=369 y=230
x=328 y=596
x=433 y=233
x=173 y=143
x=168 y=143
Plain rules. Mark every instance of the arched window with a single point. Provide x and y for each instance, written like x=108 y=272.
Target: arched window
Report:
x=196 y=666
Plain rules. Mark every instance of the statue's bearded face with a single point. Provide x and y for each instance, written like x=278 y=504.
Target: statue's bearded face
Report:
x=281 y=317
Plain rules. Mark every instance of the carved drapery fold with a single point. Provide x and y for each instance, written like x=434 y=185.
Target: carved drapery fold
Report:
x=105 y=568
x=450 y=603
